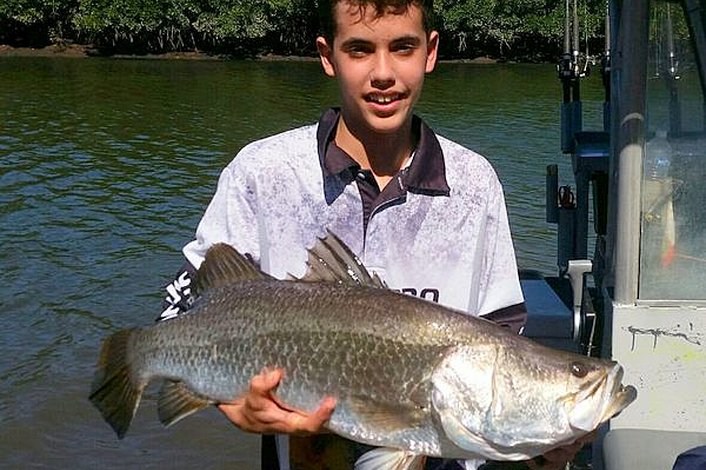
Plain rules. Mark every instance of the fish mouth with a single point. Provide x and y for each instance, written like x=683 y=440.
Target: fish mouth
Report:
x=622 y=395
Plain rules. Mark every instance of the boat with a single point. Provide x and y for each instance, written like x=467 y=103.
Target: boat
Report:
x=631 y=227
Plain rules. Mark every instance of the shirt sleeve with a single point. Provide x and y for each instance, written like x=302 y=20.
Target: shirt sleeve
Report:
x=231 y=216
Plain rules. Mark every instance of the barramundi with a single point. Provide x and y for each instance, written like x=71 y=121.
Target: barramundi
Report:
x=409 y=376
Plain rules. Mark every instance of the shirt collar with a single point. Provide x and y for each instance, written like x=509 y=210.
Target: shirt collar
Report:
x=426 y=174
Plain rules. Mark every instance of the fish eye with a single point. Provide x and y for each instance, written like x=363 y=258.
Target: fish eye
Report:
x=579 y=369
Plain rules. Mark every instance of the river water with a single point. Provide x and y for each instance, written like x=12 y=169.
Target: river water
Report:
x=105 y=169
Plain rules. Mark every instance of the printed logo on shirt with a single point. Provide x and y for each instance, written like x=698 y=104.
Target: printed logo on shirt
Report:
x=178 y=299
x=427 y=293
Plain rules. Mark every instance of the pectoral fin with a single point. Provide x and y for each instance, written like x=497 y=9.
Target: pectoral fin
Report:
x=390 y=459
x=460 y=436
x=176 y=402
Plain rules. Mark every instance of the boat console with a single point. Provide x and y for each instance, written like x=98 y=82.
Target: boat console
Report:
x=639 y=198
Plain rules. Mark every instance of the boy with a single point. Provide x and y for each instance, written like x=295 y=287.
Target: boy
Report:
x=424 y=213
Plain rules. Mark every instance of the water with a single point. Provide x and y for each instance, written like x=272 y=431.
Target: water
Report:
x=105 y=169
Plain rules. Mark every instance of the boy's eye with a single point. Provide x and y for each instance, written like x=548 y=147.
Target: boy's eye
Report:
x=357 y=49
x=404 y=48
x=405 y=45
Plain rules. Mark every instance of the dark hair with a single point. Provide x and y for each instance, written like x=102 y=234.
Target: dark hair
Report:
x=327 y=22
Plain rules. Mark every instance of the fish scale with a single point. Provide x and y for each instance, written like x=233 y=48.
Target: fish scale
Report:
x=407 y=374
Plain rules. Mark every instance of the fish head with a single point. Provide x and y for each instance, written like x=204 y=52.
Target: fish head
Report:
x=595 y=392
x=570 y=393
x=518 y=400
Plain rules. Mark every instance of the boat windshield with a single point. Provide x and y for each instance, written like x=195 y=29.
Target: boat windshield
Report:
x=673 y=241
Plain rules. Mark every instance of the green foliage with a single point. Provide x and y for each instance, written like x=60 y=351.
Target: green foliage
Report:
x=28 y=22
x=24 y=12
x=507 y=23
x=151 y=24
x=468 y=27
x=160 y=25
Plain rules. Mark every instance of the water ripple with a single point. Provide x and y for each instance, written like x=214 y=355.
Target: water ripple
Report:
x=105 y=169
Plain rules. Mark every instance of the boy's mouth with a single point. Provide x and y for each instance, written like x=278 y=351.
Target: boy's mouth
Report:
x=383 y=99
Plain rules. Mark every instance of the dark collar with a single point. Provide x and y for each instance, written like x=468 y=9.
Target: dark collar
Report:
x=425 y=175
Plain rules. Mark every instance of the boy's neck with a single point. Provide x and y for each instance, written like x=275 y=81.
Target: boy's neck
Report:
x=383 y=154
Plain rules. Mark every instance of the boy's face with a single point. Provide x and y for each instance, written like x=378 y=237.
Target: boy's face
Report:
x=380 y=65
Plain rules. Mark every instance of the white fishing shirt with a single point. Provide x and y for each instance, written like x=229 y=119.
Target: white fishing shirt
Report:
x=444 y=235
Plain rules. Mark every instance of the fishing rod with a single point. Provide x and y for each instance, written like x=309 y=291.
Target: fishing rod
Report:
x=570 y=74
x=605 y=69
x=566 y=206
x=672 y=76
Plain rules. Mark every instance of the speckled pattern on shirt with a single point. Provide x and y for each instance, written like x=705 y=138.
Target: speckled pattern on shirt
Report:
x=274 y=198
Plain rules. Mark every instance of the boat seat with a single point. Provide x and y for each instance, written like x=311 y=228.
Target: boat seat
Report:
x=647 y=449
x=549 y=320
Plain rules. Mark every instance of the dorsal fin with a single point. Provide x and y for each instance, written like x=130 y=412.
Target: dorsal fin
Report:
x=224 y=265
x=330 y=260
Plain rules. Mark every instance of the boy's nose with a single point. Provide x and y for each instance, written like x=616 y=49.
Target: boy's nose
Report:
x=382 y=75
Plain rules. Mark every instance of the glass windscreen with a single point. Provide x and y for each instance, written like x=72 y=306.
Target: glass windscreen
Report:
x=673 y=242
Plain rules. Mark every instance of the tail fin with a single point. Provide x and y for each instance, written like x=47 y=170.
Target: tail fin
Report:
x=113 y=391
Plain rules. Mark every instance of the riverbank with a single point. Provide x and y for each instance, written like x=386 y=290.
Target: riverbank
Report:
x=84 y=51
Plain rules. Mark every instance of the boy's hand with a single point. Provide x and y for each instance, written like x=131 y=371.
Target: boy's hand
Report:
x=258 y=411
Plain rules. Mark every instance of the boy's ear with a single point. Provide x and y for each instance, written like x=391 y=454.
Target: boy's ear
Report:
x=326 y=56
x=432 y=50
